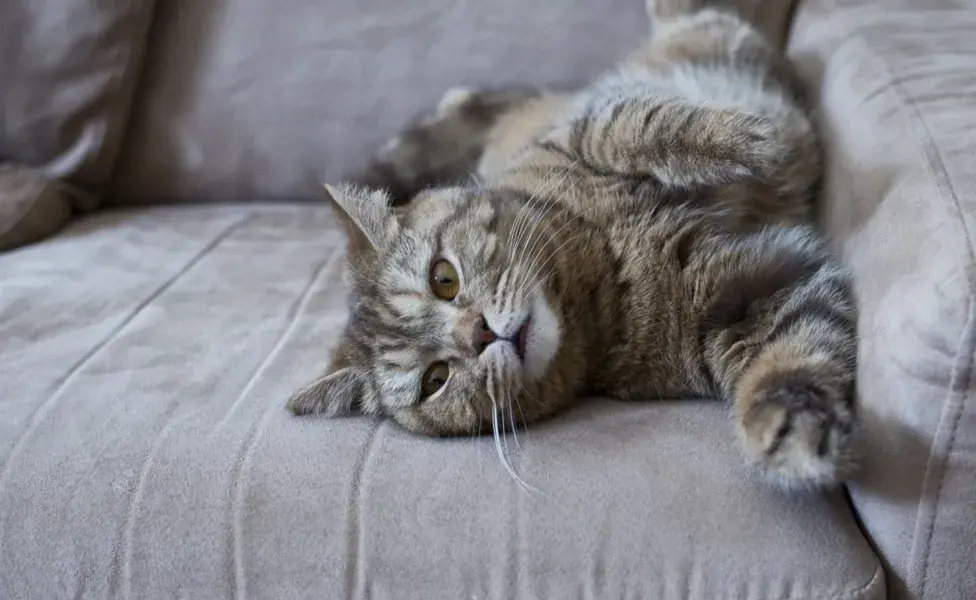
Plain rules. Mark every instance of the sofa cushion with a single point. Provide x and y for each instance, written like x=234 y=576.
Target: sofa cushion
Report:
x=898 y=93
x=258 y=99
x=145 y=451
x=67 y=75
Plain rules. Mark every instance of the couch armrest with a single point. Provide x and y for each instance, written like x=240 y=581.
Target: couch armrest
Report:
x=898 y=106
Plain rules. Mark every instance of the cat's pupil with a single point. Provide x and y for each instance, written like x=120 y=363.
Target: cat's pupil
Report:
x=443 y=280
x=434 y=378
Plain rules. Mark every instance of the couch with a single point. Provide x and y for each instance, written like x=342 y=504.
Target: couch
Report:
x=170 y=275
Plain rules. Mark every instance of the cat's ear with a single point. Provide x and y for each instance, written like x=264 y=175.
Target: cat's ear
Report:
x=335 y=395
x=368 y=210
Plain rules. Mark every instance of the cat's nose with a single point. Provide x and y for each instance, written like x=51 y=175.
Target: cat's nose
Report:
x=483 y=335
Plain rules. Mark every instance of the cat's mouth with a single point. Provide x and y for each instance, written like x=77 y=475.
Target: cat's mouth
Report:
x=522 y=338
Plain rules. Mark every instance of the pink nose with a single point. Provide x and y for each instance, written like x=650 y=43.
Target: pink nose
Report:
x=483 y=335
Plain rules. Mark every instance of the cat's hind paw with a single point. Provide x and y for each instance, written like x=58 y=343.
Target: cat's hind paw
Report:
x=442 y=147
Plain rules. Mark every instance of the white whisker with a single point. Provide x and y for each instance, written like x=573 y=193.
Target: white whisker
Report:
x=521 y=216
x=538 y=274
x=523 y=219
x=501 y=453
x=494 y=382
x=528 y=243
x=511 y=416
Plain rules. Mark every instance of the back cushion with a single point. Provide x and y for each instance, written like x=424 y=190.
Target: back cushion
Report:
x=68 y=70
x=898 y=106
x=258 y=100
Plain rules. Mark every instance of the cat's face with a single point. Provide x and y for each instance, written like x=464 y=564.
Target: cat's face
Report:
x=455 y=322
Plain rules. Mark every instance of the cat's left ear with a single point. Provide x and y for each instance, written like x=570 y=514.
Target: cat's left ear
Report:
x=335 y=395
x=369 y=210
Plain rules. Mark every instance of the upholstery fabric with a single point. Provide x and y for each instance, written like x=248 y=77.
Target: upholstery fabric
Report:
x=898 y=93
x=67 y=77
x=31 y=207
x=265 y=100
x=145 y=451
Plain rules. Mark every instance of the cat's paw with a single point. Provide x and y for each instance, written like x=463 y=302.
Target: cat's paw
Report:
x=441 y=147
x=429 y=134
x=756 y=145
x=798 y=429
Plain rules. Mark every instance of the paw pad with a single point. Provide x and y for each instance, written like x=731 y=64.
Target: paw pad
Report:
x=798 y=431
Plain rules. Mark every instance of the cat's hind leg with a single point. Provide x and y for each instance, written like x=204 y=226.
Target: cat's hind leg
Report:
x=444 y=147
x=705 y=103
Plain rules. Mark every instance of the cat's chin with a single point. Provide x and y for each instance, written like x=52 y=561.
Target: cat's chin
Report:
x=540 y=339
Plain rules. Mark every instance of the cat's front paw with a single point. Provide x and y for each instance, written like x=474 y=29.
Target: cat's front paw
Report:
x=798 y=429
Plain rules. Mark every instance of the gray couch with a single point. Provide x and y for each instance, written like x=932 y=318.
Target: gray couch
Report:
x=170 y=277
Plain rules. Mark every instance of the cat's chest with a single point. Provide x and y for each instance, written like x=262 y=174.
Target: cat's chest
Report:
x=656 y=317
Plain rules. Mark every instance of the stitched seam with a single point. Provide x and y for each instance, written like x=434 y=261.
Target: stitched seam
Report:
x=968 y=332
x=42 y=411
x=962 y=365
x=296 y=311
x=355 y=567
x=871 y=585
x=238 y=573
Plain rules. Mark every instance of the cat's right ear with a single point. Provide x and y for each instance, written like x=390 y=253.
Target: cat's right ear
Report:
x=335 y=395
x=368 y=210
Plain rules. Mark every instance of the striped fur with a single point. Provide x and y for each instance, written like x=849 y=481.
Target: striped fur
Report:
x=652 y=226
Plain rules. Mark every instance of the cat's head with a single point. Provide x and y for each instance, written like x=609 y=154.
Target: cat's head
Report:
x=456 y=315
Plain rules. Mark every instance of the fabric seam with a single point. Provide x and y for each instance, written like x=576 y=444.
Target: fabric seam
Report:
x=870 y=586
x=42 y=411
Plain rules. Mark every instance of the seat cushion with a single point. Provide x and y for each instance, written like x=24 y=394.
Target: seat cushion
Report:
x=145 y=451
x=898 y=100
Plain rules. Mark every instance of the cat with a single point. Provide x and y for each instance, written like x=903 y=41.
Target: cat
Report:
x=645 y=237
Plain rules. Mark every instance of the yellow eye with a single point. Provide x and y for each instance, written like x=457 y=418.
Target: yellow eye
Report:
x=444 y=281
x=434 y=378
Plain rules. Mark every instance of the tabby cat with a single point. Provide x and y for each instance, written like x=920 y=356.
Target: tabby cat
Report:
x=642 y=238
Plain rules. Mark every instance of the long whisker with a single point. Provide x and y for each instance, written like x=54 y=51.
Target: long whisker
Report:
x=496 y=431
x=527 y=243
x=504 y=426
x=523 y=219
x=521 y=216
x=511 y=416
x=501 y=453
x=539 y=280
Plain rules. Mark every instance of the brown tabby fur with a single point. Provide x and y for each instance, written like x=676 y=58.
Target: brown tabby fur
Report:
x=651 y=226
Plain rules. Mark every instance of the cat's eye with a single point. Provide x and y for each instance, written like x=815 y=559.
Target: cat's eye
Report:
x=444 y=280
x=434 y=378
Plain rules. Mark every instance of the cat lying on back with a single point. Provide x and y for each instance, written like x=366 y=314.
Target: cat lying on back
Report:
x=639 y=239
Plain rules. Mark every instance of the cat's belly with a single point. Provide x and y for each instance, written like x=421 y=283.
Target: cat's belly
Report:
x=655 y=351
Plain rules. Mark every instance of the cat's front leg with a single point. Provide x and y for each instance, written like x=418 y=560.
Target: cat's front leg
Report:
x=779 y=339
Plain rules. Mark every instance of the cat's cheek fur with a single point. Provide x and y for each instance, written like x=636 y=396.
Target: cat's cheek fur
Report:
x=544 y=336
